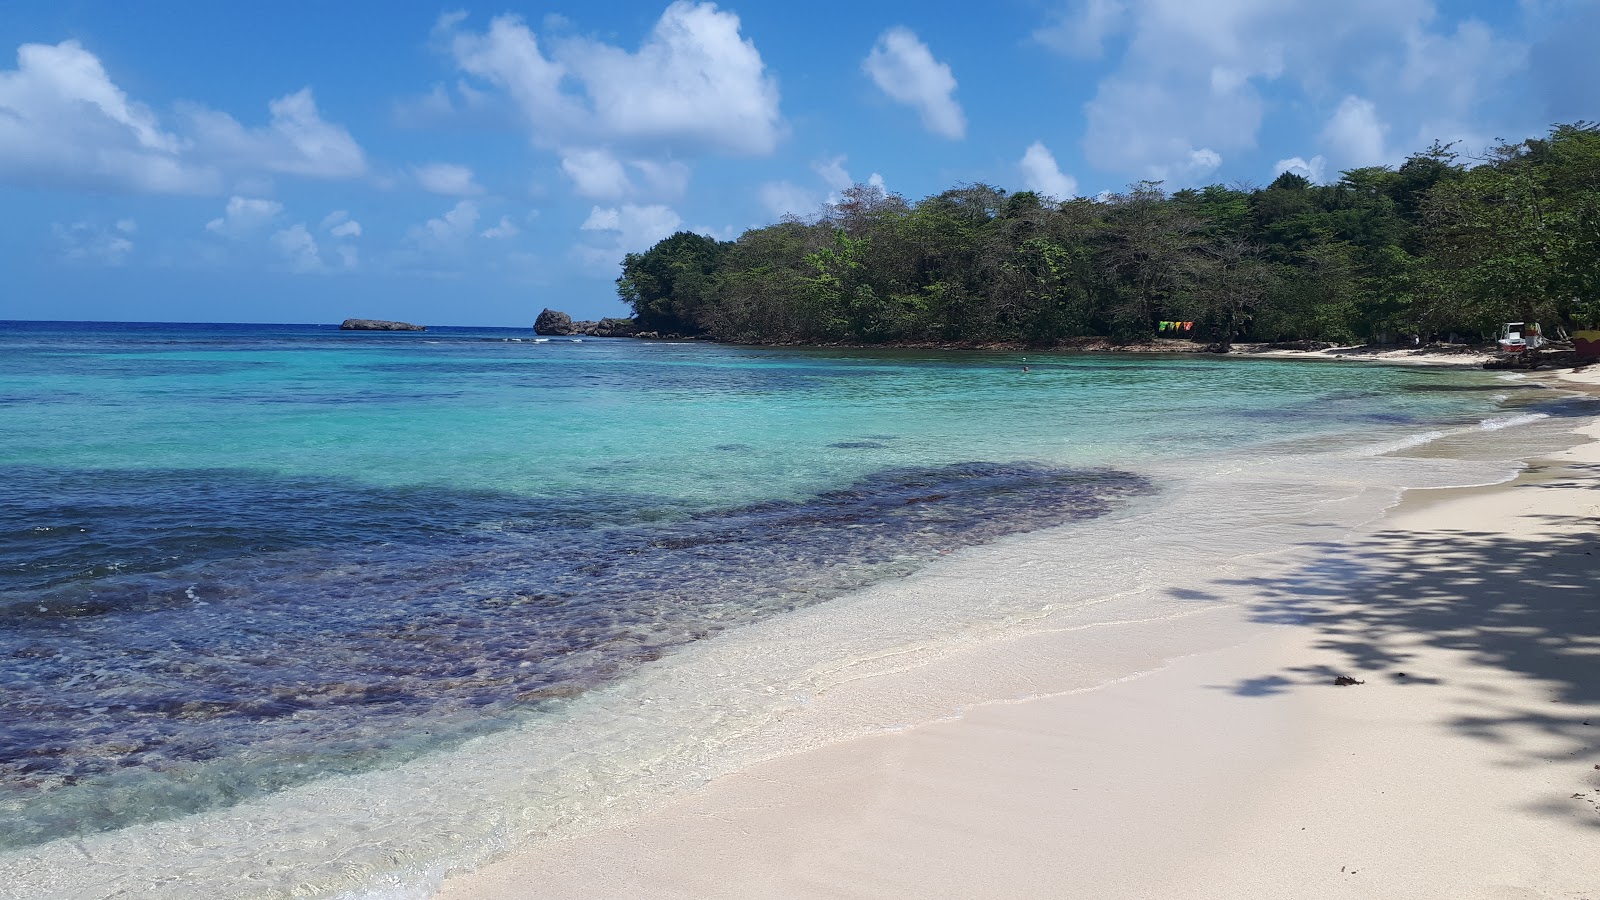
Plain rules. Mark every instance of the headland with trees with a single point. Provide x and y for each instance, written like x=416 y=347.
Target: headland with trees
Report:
x=1443 y=244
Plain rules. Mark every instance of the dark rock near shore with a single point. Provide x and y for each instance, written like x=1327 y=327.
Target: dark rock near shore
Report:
x=613 y=327
x=553 y=322
x=378 y=325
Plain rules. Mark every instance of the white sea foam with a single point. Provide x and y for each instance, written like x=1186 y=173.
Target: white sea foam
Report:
x=1403 y=443
x=1511 y=421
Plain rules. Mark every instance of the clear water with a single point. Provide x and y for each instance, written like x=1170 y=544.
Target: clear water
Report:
x=238 y=560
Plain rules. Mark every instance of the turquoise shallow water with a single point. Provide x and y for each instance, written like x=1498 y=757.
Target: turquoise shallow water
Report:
x=234 y=559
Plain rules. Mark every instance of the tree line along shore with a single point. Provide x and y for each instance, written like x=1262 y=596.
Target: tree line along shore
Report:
x=1443 y=245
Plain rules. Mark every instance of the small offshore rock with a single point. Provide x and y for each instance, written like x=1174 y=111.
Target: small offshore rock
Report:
x=378 y=325
x=554 y=322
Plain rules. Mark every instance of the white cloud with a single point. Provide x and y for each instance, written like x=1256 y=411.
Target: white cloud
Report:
x=296 y=140
x=595 y=173
x=506 y=229
x=244 y=215
x=901 y=65
x=800 y=202
x=127 y=226
x=667 y=179
x=1200 y=163
x=694 y=82
x=1041 y=173
x=302 y=254
x=339 y=224
x=85 y=243
x=695 y=78
x=602 y=219
x=1355 y=134
x=632 y=228
x=833 y=173
x=1081 y=28
x=782 y=198
x=299 y=248
x=448 y=179
x=64 y=123
x=1313 y=170
x=450 y=229
x=1192 y=78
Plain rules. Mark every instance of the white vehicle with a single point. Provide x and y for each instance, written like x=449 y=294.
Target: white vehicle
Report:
x=1516 y=337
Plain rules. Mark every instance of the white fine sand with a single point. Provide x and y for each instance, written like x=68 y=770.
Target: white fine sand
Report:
x=1236 y=773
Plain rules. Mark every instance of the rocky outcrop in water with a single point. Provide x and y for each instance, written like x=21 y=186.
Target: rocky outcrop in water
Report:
x=611 y=327
x=378 y=325
x=555 y=322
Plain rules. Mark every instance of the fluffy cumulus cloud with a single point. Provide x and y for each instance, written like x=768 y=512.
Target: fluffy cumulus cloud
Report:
x=87 y=243
x=244 y=215
x=903 y=67
x=626 y=229
x=596 y=173
x=694 y=83
x=662 y=178
x=448 y=179
x=295 y=141
x=506 y=229
x=837 y=177
x=339 y=224
x=1041 y=173
x=1355 y=135
x=833 y=173
x=785 y=198
x=450 y=229
x=64 y=123
x=1314 y=169
x=1080 y=29
x=299 y=250
x=1195 y=83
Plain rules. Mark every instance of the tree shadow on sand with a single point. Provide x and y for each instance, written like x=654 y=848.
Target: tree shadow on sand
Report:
x=1529 y=606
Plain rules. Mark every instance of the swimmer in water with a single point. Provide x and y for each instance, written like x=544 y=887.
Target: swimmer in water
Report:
x=1026 y=369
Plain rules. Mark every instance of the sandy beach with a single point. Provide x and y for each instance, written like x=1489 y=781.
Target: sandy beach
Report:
x=1464 y=764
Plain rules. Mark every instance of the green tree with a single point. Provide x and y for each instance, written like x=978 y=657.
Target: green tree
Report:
x=668 y=285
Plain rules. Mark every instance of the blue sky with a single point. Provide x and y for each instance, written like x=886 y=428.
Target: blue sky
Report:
x=304 y=162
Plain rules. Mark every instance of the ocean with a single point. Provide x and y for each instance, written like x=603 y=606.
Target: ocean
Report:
x=287 y=611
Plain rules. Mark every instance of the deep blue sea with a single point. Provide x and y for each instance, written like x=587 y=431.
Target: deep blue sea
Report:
x=236 y=560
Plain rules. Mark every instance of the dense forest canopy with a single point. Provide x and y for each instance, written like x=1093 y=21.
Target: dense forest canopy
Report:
x=1433 y=247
